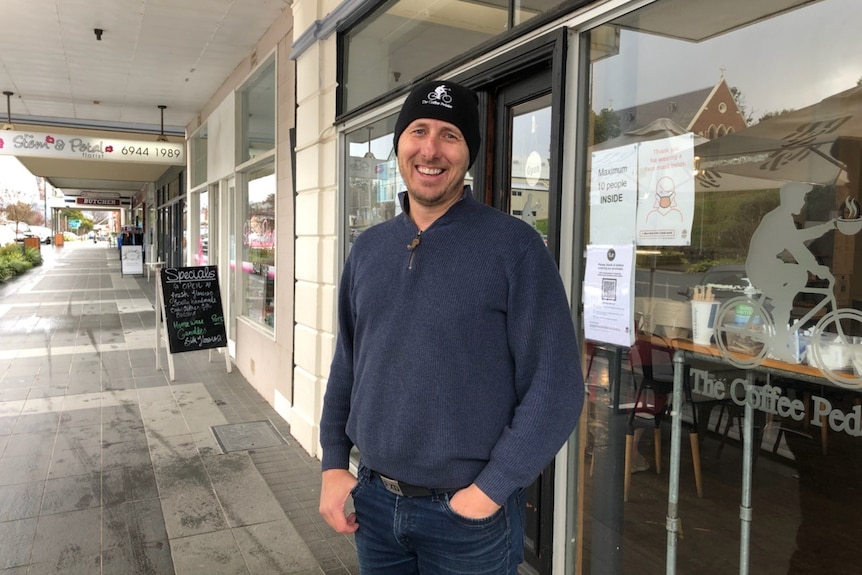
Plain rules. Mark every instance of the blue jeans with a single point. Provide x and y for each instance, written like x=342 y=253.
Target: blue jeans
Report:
x=422 y=535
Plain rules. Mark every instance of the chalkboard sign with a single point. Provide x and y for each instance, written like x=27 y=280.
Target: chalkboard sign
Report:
x=192 y=305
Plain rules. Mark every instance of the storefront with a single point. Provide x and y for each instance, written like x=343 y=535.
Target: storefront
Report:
x=718 y=139
x=233 y=208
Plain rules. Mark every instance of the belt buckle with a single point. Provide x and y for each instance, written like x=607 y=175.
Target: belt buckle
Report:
x=391 y=485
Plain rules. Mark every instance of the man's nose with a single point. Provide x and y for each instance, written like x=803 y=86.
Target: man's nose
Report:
x=430 y=146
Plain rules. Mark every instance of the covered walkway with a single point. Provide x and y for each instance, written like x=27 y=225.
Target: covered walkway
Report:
x=108 y=467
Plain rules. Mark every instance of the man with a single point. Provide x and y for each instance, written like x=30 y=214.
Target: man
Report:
x=456 y=371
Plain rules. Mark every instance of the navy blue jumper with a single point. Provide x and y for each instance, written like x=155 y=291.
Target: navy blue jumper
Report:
x=456 y=359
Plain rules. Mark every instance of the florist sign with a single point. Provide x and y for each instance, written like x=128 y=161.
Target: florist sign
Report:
x=71 y=147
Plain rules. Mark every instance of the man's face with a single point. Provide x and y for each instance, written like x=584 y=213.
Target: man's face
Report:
x=433 y=158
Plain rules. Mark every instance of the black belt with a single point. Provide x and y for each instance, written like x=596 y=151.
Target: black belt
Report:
x=406 y=490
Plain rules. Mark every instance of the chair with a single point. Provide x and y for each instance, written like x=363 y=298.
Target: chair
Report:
x=653 y=364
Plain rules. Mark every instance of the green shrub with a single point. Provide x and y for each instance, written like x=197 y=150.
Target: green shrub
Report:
x=10 y=249
x=701 y=267
x=33 y=256
x=13 y=262
x=662 y=260
x=19 y=264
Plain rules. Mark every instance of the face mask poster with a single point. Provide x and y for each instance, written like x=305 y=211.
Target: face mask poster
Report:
x=643 y=192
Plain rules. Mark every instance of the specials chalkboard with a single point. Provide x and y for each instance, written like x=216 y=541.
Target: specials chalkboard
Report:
x=192 y=307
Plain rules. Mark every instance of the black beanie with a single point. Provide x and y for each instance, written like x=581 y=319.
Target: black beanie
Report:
x=446 y=101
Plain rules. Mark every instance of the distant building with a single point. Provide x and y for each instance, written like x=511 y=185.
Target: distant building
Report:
x=708 y=112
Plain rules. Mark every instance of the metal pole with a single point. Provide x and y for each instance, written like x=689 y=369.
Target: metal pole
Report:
x=672 y=520
x=745 y=505
x=606 y=555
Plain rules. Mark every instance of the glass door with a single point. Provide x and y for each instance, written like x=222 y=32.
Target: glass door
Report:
x=229 y=223
x=525 y=186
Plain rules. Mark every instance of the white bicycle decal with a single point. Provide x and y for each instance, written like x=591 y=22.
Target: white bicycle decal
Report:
x=746 y=345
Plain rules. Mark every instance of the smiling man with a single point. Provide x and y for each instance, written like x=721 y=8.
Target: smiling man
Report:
x=456 y=372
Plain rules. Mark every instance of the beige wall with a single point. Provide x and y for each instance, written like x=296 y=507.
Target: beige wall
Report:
x=317 y=254
x=264 y=359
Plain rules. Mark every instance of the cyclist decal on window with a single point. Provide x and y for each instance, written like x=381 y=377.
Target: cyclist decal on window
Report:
x=782 y=268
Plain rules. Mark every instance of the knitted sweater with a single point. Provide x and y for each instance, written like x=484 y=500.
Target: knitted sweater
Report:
x=456 y=361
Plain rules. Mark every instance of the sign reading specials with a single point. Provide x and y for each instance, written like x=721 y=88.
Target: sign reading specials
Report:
x=72 y=147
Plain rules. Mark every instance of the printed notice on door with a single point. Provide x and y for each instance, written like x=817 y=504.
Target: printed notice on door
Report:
x=613 y=194
x=666 y=191
x=609 y=294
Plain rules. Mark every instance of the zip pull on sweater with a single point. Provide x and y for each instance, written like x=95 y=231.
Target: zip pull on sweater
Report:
x=411 y=247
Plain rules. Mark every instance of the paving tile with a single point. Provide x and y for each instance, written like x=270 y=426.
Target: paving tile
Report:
x=70 y=564
x=78 y=437
x=125 y=454
x=72 y=493
x=84 y=459
x=37 y=422
x=30 y=443
x=215 y=552
x=274 y=547
x=16 y=541
x=24 y=468
x=133 y=523
x=190 y=506
x=20 y=501
x=80 y=417
x=15 y=393
x=145 y=559
x=7 y=423
x=122 y=484
x=243 y=493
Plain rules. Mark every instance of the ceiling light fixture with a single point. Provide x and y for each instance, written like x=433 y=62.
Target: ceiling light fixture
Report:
x=369 y=155
x=162 y=137
x=8 y=125
x=98 y=32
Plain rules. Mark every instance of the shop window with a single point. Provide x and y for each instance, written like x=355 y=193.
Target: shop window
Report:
x=198 y=153
x=257 y=113
x=373 y=181
x=403 y=39
x=258 y=246
x=758 y=224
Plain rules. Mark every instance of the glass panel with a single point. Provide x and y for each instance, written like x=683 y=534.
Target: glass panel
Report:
x=198 y=149
x=373 y=180
x=526 y=9
x=257 y=114
x=404 y=39
x=740 y=189
x=184 y=231
x=530 y=168
x=258 y=246
x=229 y=189
x=202 y=252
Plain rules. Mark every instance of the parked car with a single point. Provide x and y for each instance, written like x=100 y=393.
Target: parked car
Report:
x=7 y=235
x=725 y=281
x=21 y=230
x=45 y=234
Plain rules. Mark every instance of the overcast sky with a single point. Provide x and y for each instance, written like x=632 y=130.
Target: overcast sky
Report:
x=14 y=176
x=786 y=62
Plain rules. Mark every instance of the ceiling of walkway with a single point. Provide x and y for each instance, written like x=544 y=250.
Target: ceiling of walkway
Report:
x=67 y=77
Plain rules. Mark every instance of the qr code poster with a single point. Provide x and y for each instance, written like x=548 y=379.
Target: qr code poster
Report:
x=609 y=289
x=609 y=294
